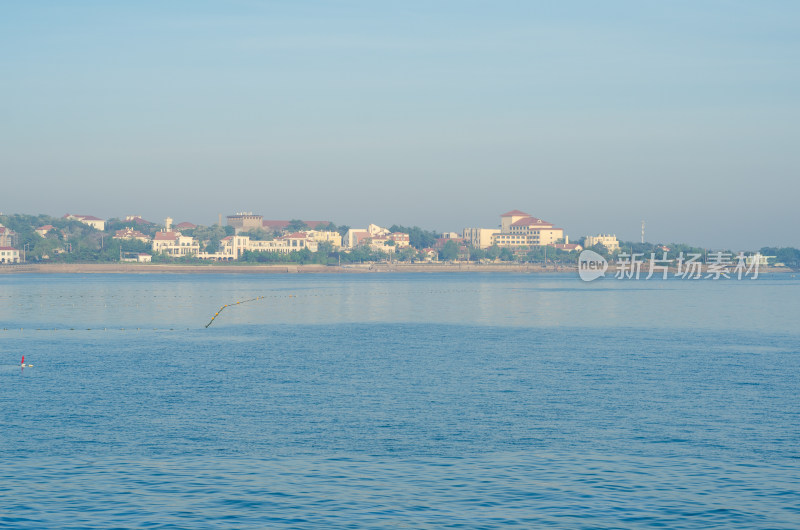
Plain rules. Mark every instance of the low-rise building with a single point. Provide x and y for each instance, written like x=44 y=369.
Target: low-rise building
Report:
x=299 y=241
x=607 y=240
x=137 y=219
x=130 y=233
x=758 y=258
x=401 y=239
x=354 y=237
x=43 y=230
x=175 y=244
x=91 y=220
x=9 y=255
x=8 y=238
x=136 y=257
x=231 y=248
x=377 y=237
x=381 y=244
x=326 y=236
x=568 y=247
x=429 y=254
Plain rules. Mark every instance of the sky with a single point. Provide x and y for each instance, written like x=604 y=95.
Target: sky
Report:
x=442 y=114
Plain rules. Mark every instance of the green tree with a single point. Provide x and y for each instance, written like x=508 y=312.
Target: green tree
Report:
x=325 y=247
x=296 y=225
x=258 y=234
x=417 y=237
x=506 y=254
x=600 y=249
x=406 y=254
x=449 y=251
x=476 y=254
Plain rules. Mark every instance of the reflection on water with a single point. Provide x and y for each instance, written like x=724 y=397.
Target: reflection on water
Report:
x=528 y=300
x=377 y=400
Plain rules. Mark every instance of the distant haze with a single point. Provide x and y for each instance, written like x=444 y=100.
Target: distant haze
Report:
x=591 y=115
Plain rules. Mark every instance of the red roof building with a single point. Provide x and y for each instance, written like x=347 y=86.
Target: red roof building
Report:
x=166 y=236
x=530 y=221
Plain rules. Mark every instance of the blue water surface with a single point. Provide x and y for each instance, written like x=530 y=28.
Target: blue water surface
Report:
x=418 y=400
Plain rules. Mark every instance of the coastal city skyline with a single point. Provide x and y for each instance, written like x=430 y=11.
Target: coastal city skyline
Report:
x=247 y=236
x=633 y=232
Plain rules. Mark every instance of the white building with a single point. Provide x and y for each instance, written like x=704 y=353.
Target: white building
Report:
x=130 y=233
x=607 y=240
x=137 y=257
x=9 y=255
x=91 y=220
x=759 y=258
x=175 y=244
x=376 y=237
x=232 y=247
x=326 y=236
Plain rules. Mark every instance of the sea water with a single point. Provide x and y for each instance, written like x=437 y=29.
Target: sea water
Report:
x=372 y=400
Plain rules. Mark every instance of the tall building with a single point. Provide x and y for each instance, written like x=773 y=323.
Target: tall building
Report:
x=479 y=237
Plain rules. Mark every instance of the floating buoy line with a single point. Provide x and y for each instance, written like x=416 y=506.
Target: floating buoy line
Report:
x=221 y=309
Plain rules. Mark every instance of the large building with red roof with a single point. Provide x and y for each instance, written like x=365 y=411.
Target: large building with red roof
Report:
x=520 y=229
x=517 y=229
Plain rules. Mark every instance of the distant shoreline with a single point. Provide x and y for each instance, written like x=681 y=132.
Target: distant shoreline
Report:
x=163 y=268
x=366 y=268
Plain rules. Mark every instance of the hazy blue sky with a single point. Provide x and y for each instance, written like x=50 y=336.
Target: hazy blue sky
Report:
x=593 y=115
